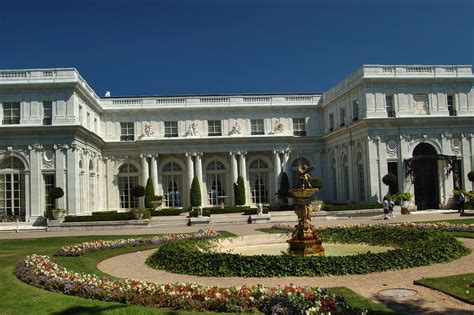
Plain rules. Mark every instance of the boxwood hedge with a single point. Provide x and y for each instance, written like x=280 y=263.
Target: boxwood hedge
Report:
x=412 y=248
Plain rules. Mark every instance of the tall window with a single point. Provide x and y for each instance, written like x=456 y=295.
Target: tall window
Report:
x=126 y=131
x=173 y=184
x=334 y=179
x=451 y=106
x=47 y=113
x=11 y=113
x=171 y=129
x=355 y=110
x=215 y=181
x=299 y=126
x=128 y=178
x=389 y=105
x=361 y=176
x=214 y=128
x=294 y=170
x=49 y=183
x=256 y=127
x=258 y=171
x=80 y=115
x=342 y=114
x=331 y=121
x=12 y=188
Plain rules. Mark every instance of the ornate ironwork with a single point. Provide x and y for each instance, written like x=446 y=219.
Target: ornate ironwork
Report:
x=410 y=163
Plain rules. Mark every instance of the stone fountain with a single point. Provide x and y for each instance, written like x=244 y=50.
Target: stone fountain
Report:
x=305 y=239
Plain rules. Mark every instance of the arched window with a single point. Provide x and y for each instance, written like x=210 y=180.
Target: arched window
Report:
x=215 y=181
x=360 y=176
x=128 y=178
x=259 y=174
x=92 y=192
x=173 y=184
x=334 y=179
x=345 y=176
x=294 y=170
x=12 y=188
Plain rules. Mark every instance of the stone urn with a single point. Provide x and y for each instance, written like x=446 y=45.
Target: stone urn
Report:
x=57 y=214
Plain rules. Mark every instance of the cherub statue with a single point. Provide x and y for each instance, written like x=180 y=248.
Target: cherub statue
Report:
x=236 y=129
x=303 y=175
x=149 y=130
x=278 y=127
x=193 y=129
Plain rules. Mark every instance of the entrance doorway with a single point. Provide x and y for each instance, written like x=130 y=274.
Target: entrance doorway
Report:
x=426 y=177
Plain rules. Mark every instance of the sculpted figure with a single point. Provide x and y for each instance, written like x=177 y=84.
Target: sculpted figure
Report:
x=236 y=129
x=278 y=127
x=303 y=175
x=193 y=129
x=149 y=130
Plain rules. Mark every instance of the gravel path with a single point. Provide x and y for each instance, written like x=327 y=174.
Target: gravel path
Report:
x=427 y=301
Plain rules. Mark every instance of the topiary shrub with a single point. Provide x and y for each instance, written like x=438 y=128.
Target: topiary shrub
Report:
x=391 y=181
x=195 y=193
x=138 y=191
x=149 y=193
x=283 y=192
x=470 y=176
x=239 y=191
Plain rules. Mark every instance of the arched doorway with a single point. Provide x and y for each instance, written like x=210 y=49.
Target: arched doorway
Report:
x=259 y=176
x=425 y=177
x=173 y=184
x=12 y=188
x=215 y=181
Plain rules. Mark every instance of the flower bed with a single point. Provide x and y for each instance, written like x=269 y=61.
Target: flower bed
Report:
x=100 y=245
x=44 y=272
x=413 y=247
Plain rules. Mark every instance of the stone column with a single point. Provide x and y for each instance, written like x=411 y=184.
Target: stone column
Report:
x=145 y=169
x=276 y=172
x=198 y=162
x=73 y=191
x=154 y=173
x=60 y=173
x=375 y=176
x=243 y=173
x=36 y=181
x=189 y=179
x=234 y=175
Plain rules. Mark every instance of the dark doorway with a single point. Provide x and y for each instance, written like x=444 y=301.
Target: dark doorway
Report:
x=426 y=177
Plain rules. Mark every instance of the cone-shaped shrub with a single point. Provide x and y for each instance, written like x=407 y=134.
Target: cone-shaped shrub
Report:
x=149 y=193
x=283 y=192
x=195 y=193
x=239 y=191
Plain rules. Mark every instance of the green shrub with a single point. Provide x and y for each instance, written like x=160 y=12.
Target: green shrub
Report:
x=412 y=248
x=137 y=212
x=239 y=191
x=149 y=193
x=104 y=212
x=227 y=209
x=195 y=193
x=138 y=191
x=470 y=176
x=284 y=191
x=105 y=217
x=194 y=213
x=316 y=182
x=251 y=211
x=354 y=206
x=165 y=212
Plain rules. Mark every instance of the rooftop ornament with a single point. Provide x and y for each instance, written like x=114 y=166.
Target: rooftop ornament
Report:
x=305 y=239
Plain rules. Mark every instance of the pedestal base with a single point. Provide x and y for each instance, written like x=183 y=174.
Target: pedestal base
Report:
x=306 y=247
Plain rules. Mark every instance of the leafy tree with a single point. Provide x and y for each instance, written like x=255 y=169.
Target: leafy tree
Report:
x=195 y=193
x=391 y=181
x=239 y=191
x=56 y=193
x=138 y=191
x=283 y=192
x=149 y=193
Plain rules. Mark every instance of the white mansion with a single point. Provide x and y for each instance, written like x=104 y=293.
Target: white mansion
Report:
x=414 y=121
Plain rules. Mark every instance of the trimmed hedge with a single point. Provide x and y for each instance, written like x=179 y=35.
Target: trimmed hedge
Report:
x=165 y=212
x=412 y=248
x=353 y=206
x=251 y=211
x=104 y=212
x=228 y=209
x=102 y=217
x=205 y=213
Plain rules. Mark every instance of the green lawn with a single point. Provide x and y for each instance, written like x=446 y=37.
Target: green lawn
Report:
x=20 y=298
x=358 y=304
x=456 y=286
x=273 y=231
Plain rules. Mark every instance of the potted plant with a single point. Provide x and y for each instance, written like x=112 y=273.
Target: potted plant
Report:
x=317 y=205
x=405 y=198
x=157 y=202
x=56 y=193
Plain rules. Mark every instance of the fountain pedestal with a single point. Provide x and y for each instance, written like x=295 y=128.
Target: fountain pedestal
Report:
x=305 y=239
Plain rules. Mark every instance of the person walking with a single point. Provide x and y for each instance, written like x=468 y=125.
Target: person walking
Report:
x=462 y=202
x=386 y=209
x=391 y=205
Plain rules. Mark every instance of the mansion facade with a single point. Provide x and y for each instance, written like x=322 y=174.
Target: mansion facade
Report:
x=414 y=121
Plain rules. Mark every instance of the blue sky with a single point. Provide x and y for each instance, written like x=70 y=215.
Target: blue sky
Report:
x=230 y=46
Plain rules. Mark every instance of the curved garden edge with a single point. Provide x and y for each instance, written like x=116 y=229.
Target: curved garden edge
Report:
x=414 y=248
x=43 y=272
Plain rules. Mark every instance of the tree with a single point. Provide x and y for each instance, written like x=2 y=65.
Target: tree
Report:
x=149 y=193
x=195 y=193
x=283 y=192
x=391 y=181
x=239 y=191
x=56 y=193
x=138 y=191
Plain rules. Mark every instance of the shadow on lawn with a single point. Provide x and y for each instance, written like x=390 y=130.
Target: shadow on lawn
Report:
x=88 y=309
x=416 y=307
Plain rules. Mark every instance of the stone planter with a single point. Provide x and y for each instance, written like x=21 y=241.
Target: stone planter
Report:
x=57 y=214
x=157 y=204
x=137 y=215
x=317 y=207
